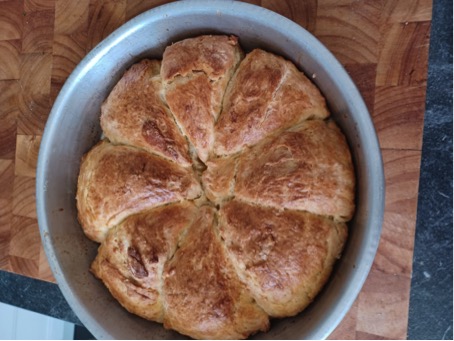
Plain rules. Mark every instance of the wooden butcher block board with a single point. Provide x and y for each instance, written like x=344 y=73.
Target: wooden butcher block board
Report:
x=383 y=44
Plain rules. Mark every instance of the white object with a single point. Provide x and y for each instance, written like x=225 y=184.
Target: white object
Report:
x=21 y=324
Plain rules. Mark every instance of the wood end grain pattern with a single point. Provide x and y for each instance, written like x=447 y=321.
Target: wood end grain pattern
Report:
x=382 y=44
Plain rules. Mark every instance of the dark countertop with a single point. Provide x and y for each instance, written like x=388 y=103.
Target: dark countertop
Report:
x=431 y=297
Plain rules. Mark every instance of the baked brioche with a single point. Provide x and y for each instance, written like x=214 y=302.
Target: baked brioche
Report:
x=221 y=193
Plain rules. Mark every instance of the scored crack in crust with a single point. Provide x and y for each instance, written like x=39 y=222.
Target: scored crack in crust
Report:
x=203 y=295
x=117 y=181
x=305 y=168
x=131 y=259
x=135 y=114
x=195 y=73
x=266 y=95
x=284 y=257
x=221 y=193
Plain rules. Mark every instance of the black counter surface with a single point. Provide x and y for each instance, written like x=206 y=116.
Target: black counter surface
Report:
x=431 y=297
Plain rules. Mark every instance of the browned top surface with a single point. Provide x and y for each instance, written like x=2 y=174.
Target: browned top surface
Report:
x=211 y=54
x=382 y=44
x=196 y=72
x=284 y=257
x=131 y=259
x=117 y=181
x=267 y=94
x=203 y=294
x=134 y=114
x=308 y=168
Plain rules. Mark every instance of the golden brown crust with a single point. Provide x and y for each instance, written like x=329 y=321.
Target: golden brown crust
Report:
x=203 y=296
x=308 y=168
x=213 y=55
x=135 y=114
x=117 y=181
x=195 y=72
x=190 y=100
x=266 y=95
x=131 y=259
x=284 y=257
x=253 y=228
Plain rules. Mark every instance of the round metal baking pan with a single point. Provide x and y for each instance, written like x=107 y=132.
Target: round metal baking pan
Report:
x=73 y=128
